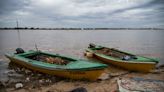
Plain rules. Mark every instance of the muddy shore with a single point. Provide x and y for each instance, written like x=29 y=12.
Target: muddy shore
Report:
x=20 y=79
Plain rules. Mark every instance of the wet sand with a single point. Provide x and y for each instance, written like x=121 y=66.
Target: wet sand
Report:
x=37 y=82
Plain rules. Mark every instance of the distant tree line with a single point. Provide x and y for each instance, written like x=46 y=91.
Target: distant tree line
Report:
x=37 y=28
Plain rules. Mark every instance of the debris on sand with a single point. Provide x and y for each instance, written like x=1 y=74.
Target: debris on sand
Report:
x=80 y=89
x=18 y=85
x=2 y=87
x=118 y=74
x=104 y=76
x=140 y=85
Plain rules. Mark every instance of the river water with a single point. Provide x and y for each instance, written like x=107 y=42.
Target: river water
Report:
x=72 y=43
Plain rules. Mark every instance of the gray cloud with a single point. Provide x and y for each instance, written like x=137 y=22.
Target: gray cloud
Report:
x=8 y=6
x=82 y=13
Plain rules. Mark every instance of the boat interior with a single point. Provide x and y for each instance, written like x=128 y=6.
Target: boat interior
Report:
x=49 y=58
x=116 y=53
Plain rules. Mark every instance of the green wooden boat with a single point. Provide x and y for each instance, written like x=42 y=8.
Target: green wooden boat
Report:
x=120 y=58
x=67 y=67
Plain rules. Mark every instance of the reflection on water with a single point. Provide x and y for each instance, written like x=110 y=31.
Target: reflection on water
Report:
x=73 y=42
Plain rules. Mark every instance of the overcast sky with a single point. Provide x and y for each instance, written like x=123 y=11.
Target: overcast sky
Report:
x=82 y=13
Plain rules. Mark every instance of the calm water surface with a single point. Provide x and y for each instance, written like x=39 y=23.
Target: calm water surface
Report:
x=73 y=42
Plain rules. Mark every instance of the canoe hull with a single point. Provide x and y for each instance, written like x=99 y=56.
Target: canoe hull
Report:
x=141 y=67
x=72 y=74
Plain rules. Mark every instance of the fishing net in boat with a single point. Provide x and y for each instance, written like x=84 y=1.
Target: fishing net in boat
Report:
x=49 y=59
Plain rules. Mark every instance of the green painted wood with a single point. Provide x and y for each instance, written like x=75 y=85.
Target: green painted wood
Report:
x=74 y=64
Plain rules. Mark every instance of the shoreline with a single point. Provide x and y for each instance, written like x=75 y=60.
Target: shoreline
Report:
x=37 y=28
x=38 y=82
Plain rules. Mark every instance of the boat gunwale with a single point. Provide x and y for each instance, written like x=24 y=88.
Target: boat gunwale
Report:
x=127 y=61
x=28 y=61
x=49 y=54
x=120 y=60
x=61 y=69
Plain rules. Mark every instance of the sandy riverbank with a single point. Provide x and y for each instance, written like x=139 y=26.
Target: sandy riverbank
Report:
x=37 y=82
